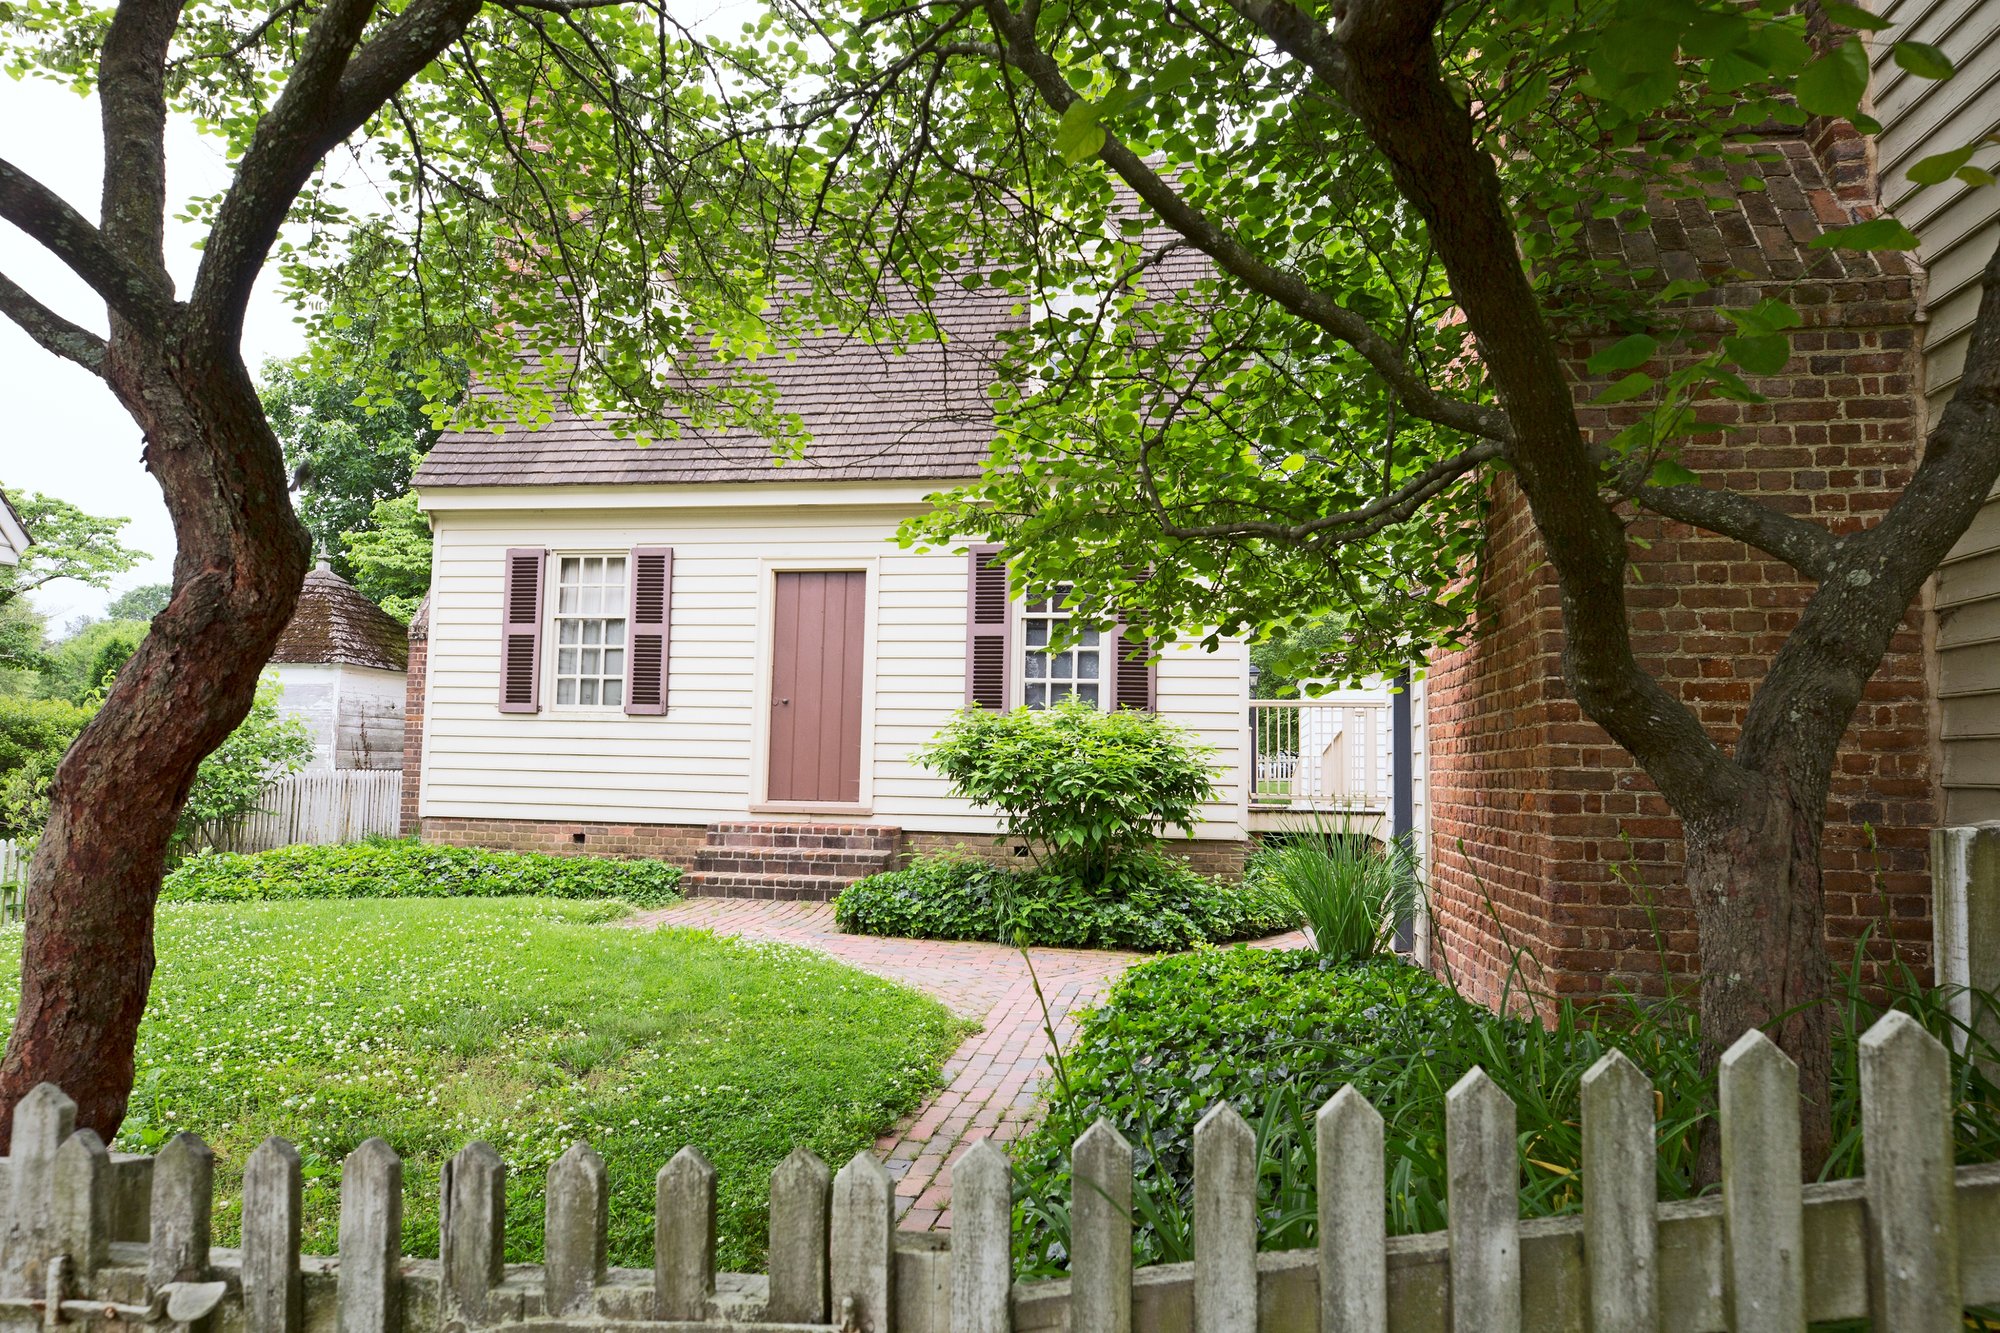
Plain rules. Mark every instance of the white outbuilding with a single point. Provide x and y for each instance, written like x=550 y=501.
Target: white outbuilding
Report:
x=342 y=662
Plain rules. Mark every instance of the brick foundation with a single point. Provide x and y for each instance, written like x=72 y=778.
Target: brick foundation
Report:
x=1544 y=835
x=675 y=843
x=682 y=844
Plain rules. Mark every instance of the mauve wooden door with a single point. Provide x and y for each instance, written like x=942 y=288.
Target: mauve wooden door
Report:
x=816 y=635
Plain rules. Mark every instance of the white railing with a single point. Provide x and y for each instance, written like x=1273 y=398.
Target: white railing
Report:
x=1330 y=753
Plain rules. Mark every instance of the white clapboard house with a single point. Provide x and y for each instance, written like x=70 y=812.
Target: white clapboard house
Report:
x=688 y=650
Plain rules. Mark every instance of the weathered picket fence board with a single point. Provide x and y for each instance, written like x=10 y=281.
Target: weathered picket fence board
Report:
x=1908 y=1246
x=345 y=805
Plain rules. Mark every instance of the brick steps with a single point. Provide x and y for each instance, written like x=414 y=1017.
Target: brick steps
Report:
x=788 y=861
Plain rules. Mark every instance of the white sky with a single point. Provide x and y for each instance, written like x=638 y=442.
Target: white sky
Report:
x=61 y=431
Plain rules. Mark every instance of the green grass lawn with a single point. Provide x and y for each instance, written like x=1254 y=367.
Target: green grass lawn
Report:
x=529 y=1023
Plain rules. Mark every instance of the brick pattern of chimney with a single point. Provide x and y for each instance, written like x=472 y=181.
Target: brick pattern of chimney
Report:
x=1548 y=845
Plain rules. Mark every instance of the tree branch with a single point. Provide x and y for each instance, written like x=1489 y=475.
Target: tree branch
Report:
x=69 y=341
x=46 y=218
x=1308 y=303
x=1845 y=629
x=1389 y=75
x=333 y=90
x=132 y=103
x=1804 y=545
x=1365 y=520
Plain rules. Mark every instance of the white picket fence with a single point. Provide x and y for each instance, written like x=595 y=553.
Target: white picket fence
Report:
x=345 y=805
x=13 y=879
x=1908 y=1246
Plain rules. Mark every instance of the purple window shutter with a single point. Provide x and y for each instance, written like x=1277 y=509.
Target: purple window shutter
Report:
x=647 y=635
x=1135 y=678
x=521 y=630
x=988 y=629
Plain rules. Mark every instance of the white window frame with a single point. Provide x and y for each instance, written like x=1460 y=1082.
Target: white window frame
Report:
x=1017 y=669
x=552 y=635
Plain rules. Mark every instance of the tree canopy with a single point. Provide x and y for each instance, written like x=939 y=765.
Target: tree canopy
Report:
x=64 y=543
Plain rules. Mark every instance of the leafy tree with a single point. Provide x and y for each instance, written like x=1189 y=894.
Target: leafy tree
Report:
x=1300 y=278
x=391 y=557
x=348 y=452
x=546 y=163
x=268 y=744
x=140 y=603
x=64 y=543
x=22 y=629
x=77 y=668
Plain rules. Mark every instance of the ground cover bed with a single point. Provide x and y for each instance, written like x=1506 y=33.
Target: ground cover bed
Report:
x=406 y=868
x=528 y=1023
x=1275 y=1033
x=1152 y=903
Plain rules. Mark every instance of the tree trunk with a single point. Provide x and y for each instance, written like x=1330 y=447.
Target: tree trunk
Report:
x=1762 y=921
x=241 y=556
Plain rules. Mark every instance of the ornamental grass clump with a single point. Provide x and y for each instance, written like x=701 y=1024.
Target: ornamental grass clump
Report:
x=1348 y=888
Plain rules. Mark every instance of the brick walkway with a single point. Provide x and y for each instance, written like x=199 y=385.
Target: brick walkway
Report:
x=991 y=1081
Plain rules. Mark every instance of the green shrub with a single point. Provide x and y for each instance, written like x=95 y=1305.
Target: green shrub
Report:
x=1277 y=1033
x=1087 y=791
x=1349 y=889
x=1156 y=903
x=406 y=869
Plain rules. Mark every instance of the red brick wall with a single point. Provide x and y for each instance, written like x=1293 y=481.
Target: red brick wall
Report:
x=413 y=723
x=1545 y=837
x=677 y=843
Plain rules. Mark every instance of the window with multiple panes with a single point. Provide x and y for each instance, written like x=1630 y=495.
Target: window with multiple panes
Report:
x=591 y=604
x=1050 y=674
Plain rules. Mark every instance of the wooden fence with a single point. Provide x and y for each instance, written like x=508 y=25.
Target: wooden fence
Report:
x=1908 y=1246
x=344 y=805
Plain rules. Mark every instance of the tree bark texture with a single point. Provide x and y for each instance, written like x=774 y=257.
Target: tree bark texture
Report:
x=87 y=959
x=241 y=553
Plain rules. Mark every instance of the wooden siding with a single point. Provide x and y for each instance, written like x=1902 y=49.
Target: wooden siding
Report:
x=1959 y=227
x=698 y=763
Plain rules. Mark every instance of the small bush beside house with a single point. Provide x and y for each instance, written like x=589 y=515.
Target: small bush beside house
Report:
x=1089 y=794
x=387 y=868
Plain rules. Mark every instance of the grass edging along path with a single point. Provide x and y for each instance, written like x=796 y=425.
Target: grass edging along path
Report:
x=523 y=1022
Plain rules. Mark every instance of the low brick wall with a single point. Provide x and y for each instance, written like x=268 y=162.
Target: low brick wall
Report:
x=676 y=843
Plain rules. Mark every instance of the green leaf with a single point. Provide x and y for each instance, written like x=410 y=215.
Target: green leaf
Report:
x=1078 y=135
x=1924 y=60
x=1760 y=354
x=1976 y=177
x=1667 y=472
x=1627 y=353
x=1940 y=167
x=1833 y=84
x=1874 y=234
x=1853 y=16
x=1624 y=390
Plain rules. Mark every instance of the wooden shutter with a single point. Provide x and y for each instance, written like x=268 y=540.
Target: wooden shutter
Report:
x=1135 y=681
x=521 y=630
x=989 y=623
x=646 y=635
